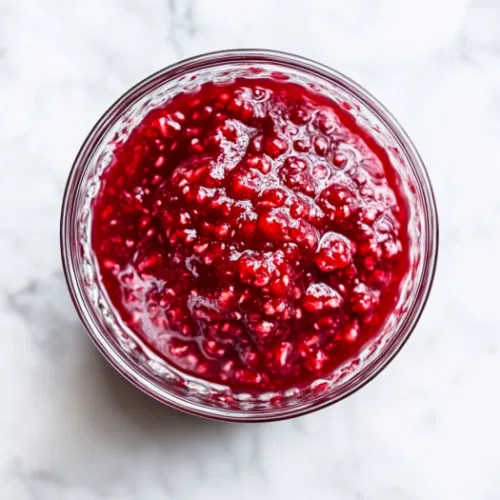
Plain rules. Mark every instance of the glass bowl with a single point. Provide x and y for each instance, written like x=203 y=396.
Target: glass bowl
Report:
x=127 y=353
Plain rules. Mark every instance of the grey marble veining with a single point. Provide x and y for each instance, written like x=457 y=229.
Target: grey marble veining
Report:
x=427 y=428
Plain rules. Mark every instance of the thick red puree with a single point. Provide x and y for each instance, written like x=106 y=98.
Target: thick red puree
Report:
x=252 y=234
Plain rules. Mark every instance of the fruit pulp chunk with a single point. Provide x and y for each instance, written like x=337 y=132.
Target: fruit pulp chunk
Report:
x=252 y=234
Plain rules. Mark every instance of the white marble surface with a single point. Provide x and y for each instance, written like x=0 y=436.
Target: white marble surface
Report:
x=428 y=428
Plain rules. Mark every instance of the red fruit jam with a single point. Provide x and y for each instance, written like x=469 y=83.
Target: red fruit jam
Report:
x=252 y=234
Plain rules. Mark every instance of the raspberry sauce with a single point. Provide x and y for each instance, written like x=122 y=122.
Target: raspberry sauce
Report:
x=252 y=234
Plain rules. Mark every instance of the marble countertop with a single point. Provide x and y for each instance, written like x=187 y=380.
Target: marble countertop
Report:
x=428 y=428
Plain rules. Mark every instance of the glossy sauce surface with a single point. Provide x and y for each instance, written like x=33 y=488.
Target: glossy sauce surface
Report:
x=252 y=234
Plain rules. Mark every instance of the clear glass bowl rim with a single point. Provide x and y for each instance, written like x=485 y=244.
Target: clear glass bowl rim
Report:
x=114 y=356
